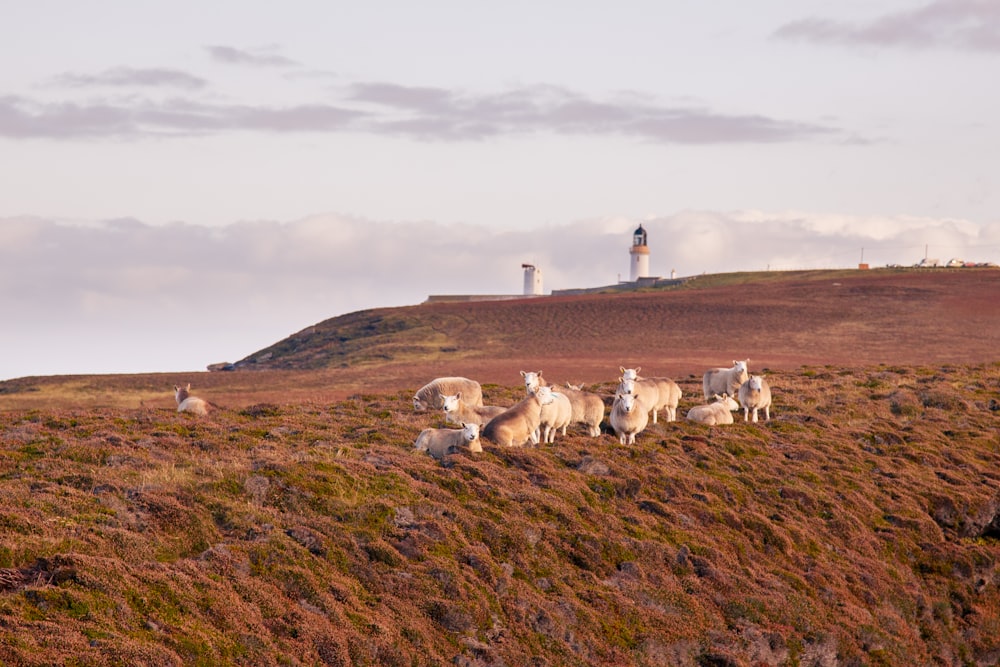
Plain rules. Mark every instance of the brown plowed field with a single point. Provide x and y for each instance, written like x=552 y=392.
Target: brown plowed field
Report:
x=777 y=320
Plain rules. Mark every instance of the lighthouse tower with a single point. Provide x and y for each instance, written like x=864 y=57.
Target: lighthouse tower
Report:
x=638 y=256
x=532 y=280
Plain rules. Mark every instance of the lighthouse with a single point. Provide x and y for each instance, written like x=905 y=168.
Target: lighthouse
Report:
x=638 y=256
x=532 y=280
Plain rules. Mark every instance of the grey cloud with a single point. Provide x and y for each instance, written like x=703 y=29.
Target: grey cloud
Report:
x=423 y=113
x=129 y=77
x=961 y=24
x=256 y=58
x=25 y=119
x=434 y=113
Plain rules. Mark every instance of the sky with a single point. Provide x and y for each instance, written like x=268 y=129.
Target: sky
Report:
x=186 y=183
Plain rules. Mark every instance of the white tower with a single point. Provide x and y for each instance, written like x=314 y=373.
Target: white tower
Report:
x=638 y=256
x=532 y=280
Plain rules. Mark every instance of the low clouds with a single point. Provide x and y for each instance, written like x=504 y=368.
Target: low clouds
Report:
x=127 y=77
x=123 y=296
x=972 y=25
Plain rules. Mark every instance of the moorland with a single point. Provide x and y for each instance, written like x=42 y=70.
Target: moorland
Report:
x=295 y=524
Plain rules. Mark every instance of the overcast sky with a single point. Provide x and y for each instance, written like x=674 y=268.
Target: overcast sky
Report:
x=185 y=182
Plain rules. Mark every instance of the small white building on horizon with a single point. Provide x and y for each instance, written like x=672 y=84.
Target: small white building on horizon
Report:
x=532 y=280
x=638 y=256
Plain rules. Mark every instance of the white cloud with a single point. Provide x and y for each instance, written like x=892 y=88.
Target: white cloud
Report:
x=178 y=297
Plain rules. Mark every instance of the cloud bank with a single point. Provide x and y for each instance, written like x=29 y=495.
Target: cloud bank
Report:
x=123 y=296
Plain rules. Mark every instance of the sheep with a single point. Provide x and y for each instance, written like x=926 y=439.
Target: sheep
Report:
x=711 y=414
x=655 y=393
x=439 y=442
x=188 y=403
x=519 y=423
x=727 y=399
x=628 y=417
x=555 y=415
x=588 y=408
x=725 y=380
x=532 y=381
x=755 y=394
x=429 y=397
x=457 y=411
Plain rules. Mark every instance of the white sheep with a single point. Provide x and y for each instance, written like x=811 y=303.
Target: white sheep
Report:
x=711 y=414
x=727 y=399
x=628 y=417
x=656 y=393
x=755 y=394
x=188 y=403
x=439 y=442
x=519 y=423
x=457 y=411
x=431 y=395
x=588 y=408
x=556 y=414
x=532 y=381
x=725 y=380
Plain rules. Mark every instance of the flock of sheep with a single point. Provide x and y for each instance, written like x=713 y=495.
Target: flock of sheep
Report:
x=546 y=410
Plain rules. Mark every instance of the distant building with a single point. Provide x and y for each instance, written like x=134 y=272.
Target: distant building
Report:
x=638 y=256
x=532 y=280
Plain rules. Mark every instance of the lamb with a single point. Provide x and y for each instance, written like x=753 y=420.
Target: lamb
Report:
x=430 y=396
x=711 y=414
x=725 y=380
x=188 y=403
x=588 y=408
x=556 y=414
x=532 y=381
x=457 y=411
x=519 y=423
x=628 y=417
x=727 y=399
x=439 y=442
x=755 y=394
x=656 y=393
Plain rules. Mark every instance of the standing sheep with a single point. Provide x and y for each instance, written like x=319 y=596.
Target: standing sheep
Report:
x=755 y=394
x=188 y=403
x=457 y=411
x=588 y=408
x=725 y=380
x=555 y=415
x=430 y=396
x=532 y=381
x=519 y=423
x=439 y=442
x=711 y=414
x=628 y=417
x=669 y=392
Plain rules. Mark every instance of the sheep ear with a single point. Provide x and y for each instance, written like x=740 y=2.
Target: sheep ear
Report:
x=637 y=369
x=458 y=395
x=622 y=369
x=189 y=386
x=523 y=374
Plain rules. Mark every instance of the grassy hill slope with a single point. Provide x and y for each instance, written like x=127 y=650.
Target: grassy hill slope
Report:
x=858 y=527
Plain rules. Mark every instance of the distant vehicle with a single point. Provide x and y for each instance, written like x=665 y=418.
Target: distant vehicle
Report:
x=928 y=263
x=955 y=262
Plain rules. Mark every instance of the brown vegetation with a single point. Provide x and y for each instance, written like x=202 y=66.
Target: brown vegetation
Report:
x=859 y=526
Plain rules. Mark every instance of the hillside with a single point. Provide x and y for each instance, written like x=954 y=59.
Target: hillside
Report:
x=296 y=525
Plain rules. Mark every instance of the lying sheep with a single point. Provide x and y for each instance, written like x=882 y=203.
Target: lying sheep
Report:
x=657 y=393
x=431 y=395
x=556 y=414
x=711 y=414
x=588 y=408
x=628 y=417
x=755 y=394
x=439 y=442
x=532 y=381
x=457 y=411
x=725 y=380
x=727 y=399
x=188 y=403
x=518 y=424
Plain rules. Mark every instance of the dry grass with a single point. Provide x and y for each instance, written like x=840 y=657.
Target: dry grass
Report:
x=858 y=527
